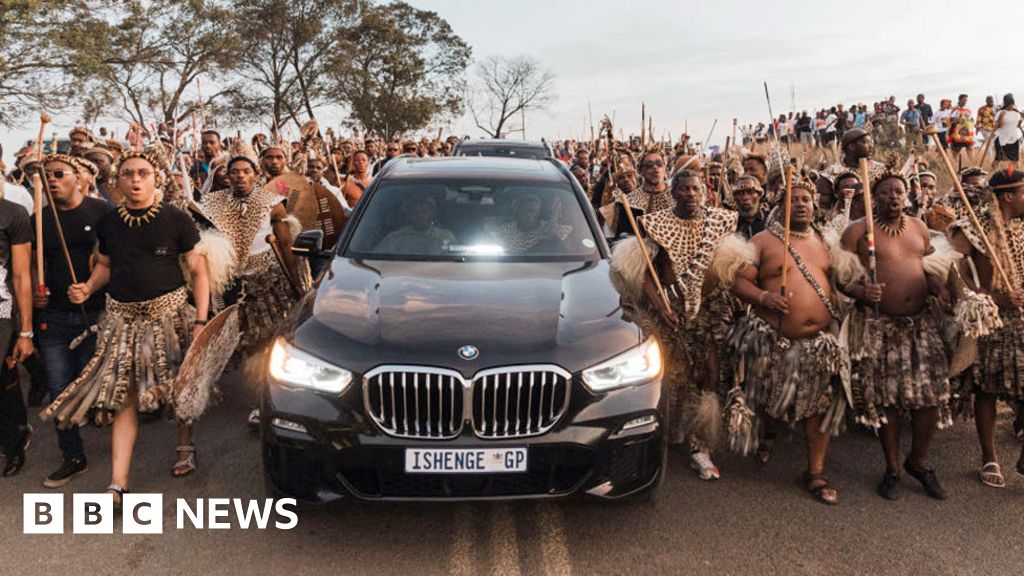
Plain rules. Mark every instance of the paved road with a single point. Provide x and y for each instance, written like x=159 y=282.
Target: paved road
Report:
x=753 y=521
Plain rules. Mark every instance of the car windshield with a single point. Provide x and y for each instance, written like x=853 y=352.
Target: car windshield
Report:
x=473 y=219
x=537 y=153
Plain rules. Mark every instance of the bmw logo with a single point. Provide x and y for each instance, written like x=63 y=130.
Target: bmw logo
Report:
x=468 y=352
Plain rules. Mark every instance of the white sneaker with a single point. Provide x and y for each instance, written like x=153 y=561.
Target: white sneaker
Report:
x=701 y=462
x=254 y=418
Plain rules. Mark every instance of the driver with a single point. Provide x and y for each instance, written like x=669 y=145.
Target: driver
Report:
x=420 y=235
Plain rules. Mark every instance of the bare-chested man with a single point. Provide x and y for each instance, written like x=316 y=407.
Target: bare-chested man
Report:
x=997 y=375
x=789 y=346
x=899 y=362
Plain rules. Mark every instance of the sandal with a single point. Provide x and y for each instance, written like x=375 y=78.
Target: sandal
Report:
x=822 y=490
x=119 y=492
x=764 y=449
x=992 y=475
x=187 y=465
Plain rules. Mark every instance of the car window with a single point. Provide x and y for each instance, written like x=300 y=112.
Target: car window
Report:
x=473 y=219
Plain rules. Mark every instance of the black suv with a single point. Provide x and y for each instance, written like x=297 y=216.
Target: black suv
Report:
x=466 y=342
x=501 y=148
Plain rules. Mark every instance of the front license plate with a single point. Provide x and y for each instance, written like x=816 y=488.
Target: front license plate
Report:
x=464 y=460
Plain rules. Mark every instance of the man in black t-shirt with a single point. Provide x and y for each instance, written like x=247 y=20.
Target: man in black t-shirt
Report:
x=15 y=345
x=148 y=323
x=66 y=321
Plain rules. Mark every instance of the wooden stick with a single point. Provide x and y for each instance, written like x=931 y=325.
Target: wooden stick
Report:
x=984 y=151
x=869 y=219
x=996 y=259
x=37 y=199
x=643 y=250
x=787 y=222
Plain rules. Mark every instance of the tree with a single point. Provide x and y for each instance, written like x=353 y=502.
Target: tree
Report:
x=31 y=67
x=401 y=68
x=147 y=55
x=509 y=87
x=288 y=45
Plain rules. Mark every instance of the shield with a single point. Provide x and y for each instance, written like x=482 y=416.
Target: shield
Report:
x=314 y=206
x=204 y=363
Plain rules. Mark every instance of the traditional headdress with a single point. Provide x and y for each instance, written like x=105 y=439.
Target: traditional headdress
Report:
x=85 y=131
x=889 y=172
x=72 y=161
x=152 y=155
x=239 y=150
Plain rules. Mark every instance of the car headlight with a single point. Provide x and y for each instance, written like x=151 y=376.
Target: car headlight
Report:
x=291 y=366
x=632 y=367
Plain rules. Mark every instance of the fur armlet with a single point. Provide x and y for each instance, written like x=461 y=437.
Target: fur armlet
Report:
x=942 y=257
x=628 y=267
x=220 y=257
x=734 y=253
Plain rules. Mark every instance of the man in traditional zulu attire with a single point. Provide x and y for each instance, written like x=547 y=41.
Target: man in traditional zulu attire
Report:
x=652 y=196
x=684 y=241
x=266 y=281
x=788 y=347
x=149 y=323
x=746 y=196
x=274 y=159
x=998 y=373
x=899 y=359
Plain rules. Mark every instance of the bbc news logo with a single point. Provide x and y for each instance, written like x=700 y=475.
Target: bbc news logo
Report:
x=143 y=514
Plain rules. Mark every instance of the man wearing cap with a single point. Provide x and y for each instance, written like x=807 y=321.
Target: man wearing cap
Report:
x=101 y=157
x=746 y=196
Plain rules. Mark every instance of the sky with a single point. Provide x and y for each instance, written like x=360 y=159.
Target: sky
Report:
x=692 y=61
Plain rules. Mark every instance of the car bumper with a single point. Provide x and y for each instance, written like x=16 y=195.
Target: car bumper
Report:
x=318 y=449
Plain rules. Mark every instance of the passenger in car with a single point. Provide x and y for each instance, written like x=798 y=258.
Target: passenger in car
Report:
x=528 y=233
x=420 y=235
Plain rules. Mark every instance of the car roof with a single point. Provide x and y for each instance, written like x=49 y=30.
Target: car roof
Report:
x=475 y=167
x=503 y=142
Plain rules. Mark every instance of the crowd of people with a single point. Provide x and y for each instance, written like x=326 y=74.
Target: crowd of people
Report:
x=786 y=286
x=995 y=125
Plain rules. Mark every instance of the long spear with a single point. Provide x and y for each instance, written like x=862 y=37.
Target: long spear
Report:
x=771 y=122
x=869 y=220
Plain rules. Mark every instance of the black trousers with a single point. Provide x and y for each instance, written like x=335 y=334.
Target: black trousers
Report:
x=13 y=416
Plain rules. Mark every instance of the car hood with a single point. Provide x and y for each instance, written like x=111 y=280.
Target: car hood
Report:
x=369 y=313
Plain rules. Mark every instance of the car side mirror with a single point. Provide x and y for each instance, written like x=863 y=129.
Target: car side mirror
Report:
x=309 y=244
